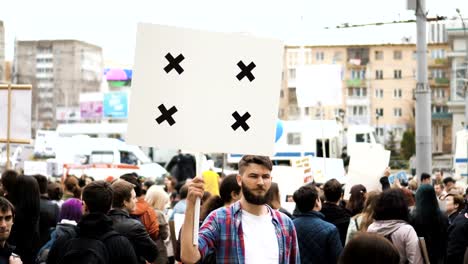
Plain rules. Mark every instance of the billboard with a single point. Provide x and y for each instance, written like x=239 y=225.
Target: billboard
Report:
x=116 y=105
x=91 y=105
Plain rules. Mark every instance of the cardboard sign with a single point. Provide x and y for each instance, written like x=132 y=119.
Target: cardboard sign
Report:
x=204 y=91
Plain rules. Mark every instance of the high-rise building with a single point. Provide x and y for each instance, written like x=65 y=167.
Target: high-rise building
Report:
x=378 y=87
x=2 y=52
x=59 y=70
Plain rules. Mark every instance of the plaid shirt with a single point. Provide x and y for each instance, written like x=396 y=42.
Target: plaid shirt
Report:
x=221 y=232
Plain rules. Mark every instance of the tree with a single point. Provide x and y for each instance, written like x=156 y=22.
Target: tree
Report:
x=408 y=144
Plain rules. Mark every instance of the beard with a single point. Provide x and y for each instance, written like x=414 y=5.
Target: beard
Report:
x=251 y=197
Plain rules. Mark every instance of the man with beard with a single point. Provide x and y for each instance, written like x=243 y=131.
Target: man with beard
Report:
x=248 y=231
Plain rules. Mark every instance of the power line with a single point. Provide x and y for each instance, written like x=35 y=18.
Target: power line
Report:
x=348 y=25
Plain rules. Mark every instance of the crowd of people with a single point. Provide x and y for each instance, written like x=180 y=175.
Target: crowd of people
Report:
x=130 y=219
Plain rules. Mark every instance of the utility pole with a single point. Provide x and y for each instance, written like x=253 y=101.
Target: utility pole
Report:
x=423 y=97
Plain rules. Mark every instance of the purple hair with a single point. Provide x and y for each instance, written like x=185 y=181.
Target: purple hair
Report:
x=71 y=210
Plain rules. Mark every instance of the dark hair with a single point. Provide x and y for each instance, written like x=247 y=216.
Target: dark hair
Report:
x=26 y=199
x=425 y=176
x=71 y=185
x=133 y=179
x=391 y=205
x=228 y=185
x=122 y=192
x=253 y=159
x=448 y=179
x=332 y=190
x=183 y=192
x=305 y=198
x=357 y=199
x=409 y=196
x=273 y=195
x=6 y=206
x=98 y=197
x=427 y=207
x=369 y=248
x=55 y=191
x=147 y=184
x=9 y=180
x=42 y=181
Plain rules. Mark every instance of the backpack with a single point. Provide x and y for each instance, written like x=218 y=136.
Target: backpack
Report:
x=87 y=250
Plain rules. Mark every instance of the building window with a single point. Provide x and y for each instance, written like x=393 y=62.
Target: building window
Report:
x=292 y=74
x=319 y=56
x=397 y=112
x=397 y=93
x=378 y=55
x=397 y=74
x=379 y=93
x=437 y=73
x=438 y=54
x=414 y=55
x=379 y=112
x=397 y=55
x=357 y=92
x=281 y=113
x=380 y=131
x=307 y=110
x=294 y=138
x=379 y=74
x=338 y=56
x=281 y=94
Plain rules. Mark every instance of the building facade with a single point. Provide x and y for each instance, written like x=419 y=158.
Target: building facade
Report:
x=378 y=87
x=59 y=70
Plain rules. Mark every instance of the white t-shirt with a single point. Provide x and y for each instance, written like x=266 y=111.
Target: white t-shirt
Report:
x=260 y=242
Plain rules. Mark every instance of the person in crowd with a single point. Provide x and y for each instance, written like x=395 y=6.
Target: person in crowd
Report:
x=332 y=211
x=413 y=185
x=95 y=225
x=143 y=210
x=356 y=200
x=181 y=167
x=49 y=211
x=426 y=178
x=362 y=221
x=181 y=205
x=124 y=202
x=266 y=236
x=55 y=193
x=439 y=190
x=85 y=180
x=449 y=183
x=71 y=188
x=319 y=241
x=391 y=217
x=146 y=185
x=439 y=176
x=229 y=193
x=369 y=248
x=430 y=223
x=453 y=206
x=7 y=216
x=274 y=200
x=23 y=193
x=410 y=198
x=158 y=199
x=457 y=239
x=70 y=214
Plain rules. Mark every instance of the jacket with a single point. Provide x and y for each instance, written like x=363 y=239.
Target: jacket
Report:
x=95 y=225
x=353 y=227
x=435 y=236
x=319 y=241
x=403 y=237
x=163 y=235
x=145 y=213
x=145 y=248
x=5 y=253
x=457 y=239
x=338 y=216
x=48 y=218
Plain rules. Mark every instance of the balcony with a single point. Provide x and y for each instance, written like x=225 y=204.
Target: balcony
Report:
x=358 y=120
x=442 y=116
x=439 y=82
x=357 y=100
x=439 y=62
x=355 y=82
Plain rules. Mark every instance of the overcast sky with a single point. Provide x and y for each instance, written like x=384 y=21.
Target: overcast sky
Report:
x=112 y=24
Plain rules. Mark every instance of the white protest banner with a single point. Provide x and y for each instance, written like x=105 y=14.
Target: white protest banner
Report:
x=20 y=113
x=366 y=166
x=319 y=83
x=204 y=91
x=320 y=170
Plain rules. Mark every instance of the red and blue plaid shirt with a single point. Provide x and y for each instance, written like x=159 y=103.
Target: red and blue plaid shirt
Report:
x=221 y=232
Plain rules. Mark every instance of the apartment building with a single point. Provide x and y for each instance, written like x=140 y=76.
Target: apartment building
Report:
x=59 y=70
x=2 y=52
x=378 y=87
